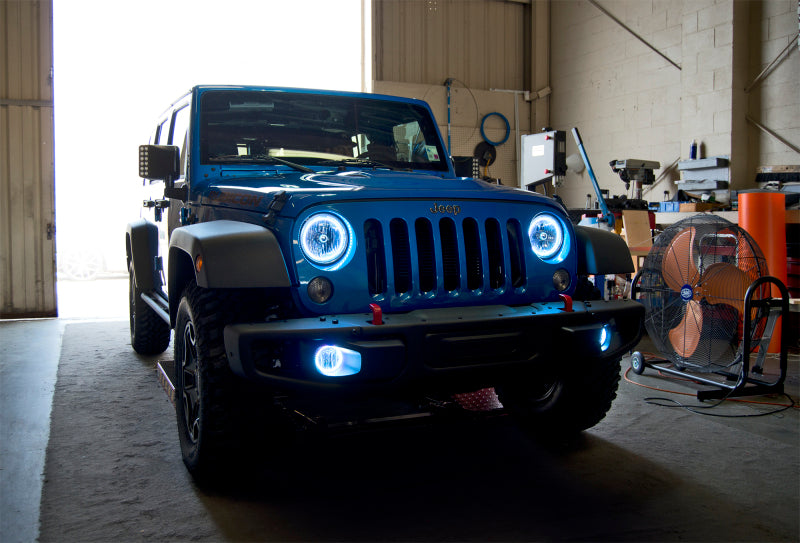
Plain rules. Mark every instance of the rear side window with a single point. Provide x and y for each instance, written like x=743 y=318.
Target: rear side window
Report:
x=162 y=131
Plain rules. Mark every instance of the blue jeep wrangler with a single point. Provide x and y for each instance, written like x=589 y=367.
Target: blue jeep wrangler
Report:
x=320 y=261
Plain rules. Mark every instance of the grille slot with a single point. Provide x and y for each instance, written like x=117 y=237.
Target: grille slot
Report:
x=376 y=257
x=494 y=243
x=515 y=254
x=447 y=255
x=450 y=265
x=472 y=247
x=425 y=255
x=401 y=256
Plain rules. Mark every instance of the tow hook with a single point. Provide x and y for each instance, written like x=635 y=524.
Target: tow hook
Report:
x=377 y=314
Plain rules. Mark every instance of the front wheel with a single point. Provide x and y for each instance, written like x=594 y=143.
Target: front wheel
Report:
x=204 y=385
x=222 y=420
x=564 y=402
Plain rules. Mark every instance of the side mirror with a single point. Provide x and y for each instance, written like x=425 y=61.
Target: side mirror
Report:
x=159 y=162
x=162 y=162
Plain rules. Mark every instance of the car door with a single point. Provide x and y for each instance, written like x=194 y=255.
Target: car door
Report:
x=165 y=213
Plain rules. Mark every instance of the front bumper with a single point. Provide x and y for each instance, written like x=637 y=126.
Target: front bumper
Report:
x=450 y=348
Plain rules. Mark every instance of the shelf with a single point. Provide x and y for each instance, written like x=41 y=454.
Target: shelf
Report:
x=670 y=218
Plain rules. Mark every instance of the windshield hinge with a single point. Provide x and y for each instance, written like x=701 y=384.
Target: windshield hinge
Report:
x=275 y=207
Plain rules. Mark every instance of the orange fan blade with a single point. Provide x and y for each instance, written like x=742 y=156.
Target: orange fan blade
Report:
x=677 y=267
x=685 y=337
x=724 y=283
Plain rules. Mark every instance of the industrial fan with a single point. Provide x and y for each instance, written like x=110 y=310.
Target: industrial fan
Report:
x=708 y=301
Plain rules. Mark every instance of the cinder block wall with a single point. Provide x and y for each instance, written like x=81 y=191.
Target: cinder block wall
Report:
x=775 y=103
x=629 y=102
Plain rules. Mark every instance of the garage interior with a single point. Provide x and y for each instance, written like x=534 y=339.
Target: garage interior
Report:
x=87 y=440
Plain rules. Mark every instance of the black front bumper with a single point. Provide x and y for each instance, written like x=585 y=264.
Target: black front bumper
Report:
x=453 y=348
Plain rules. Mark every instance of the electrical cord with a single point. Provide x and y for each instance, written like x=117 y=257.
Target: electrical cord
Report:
x=694 y=409
x=697 y=409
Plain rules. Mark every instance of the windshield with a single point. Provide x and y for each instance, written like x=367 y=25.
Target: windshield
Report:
x=311 y=129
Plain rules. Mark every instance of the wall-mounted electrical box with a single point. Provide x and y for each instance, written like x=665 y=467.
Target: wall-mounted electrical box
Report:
x=544 y=158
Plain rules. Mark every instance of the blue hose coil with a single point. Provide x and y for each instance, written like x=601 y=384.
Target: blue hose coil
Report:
x=508 y=129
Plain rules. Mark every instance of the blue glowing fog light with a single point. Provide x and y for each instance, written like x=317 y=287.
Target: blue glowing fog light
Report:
x=333 y=361
x=605 y=338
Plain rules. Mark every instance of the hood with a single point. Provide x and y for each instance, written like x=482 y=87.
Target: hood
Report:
x=254 y=190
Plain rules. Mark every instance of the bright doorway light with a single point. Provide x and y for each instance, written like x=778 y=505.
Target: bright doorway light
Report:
x=118 y=64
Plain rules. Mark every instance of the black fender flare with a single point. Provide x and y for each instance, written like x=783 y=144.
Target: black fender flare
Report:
x=601 y=252
x=142 y=249
x=224 y=254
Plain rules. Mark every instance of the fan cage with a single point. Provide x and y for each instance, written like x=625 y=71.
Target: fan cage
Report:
x=693 y=284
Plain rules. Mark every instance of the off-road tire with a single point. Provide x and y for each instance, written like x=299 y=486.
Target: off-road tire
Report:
x=149 y=332
x=219 y=415
x=567 y=403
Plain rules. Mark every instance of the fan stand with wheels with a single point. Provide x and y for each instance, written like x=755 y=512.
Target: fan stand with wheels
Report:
x=709 y=306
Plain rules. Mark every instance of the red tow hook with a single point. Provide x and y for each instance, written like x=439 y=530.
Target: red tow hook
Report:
x=377 y=314
x=567 y=303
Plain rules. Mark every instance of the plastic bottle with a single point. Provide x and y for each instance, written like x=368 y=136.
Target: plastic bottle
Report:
x=693 y=150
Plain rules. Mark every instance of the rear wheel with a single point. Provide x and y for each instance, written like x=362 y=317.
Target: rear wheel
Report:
x=149 y=332
x=566 y=403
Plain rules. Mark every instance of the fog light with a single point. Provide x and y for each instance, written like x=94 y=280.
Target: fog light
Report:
x=333 y=361
x=605 y=338
x=320 y=290
x=561 y=280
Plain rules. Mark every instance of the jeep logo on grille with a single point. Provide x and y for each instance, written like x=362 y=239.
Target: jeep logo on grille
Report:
x=449 y=209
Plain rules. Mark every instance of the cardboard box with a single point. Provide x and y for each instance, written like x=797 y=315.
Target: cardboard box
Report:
x=700 y=206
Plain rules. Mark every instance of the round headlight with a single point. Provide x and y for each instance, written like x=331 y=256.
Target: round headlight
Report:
x=324 y=238
x=546 y=235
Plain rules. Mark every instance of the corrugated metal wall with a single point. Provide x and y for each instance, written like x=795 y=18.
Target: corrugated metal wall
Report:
x=480 y=42
x=27 y=214
x=488 y=47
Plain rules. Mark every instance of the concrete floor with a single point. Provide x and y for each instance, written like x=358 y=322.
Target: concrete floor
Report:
x=29 y=352
x=29 y=356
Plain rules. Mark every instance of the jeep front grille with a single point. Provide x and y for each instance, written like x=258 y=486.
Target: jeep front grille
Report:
x=445 y=255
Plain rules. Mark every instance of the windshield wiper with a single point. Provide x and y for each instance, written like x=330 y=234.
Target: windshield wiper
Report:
x=366 y=162
x=260 y=158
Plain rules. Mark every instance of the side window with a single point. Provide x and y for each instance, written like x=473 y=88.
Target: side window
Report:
x=159 y=137
x=180 y=125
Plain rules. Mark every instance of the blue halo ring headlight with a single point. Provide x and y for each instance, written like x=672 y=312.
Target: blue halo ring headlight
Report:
x=546 y=235
x=324 y=238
